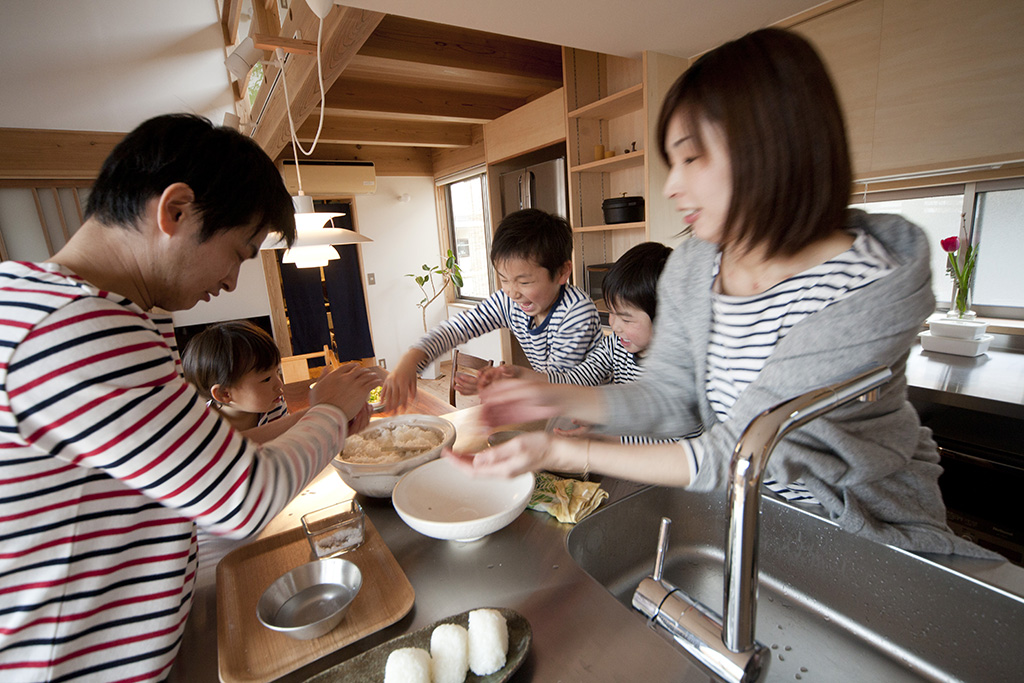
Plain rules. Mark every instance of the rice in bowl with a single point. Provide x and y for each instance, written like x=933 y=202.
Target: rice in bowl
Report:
x=390 y=443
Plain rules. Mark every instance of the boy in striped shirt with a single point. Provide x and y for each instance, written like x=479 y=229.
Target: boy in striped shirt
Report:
x=556 y=323
x=108 y=458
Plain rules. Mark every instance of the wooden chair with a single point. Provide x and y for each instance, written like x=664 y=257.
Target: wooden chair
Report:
x=463 y=362
x=296 y=368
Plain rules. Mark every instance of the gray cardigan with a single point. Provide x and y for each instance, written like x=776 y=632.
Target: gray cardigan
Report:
x=872 y=465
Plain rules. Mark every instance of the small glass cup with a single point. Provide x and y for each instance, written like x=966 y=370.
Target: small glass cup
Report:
x=335 y=529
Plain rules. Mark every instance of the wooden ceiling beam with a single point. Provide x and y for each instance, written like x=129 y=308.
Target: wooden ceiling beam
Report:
x=54 y=154
x=345 y=31
x=401 y=101
x=453 y=46
x=464 y=79
x=376 y=131
x=230 y=15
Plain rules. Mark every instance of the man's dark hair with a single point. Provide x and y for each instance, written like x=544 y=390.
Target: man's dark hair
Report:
x=533 y=235
x=770 y=94
x=225 y=352
x=234 y=182
x=633 y=279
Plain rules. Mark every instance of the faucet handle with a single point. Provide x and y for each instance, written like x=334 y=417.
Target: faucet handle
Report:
x=659 y=559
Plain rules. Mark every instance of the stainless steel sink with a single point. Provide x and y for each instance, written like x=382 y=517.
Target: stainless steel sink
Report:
x=831 y=606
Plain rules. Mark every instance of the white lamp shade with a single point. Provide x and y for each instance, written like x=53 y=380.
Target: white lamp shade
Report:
x=310 y=230
x=310 y=257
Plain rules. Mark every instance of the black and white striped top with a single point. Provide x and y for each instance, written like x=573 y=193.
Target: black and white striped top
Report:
x=560 y=342
x=746 y=329
x=609 y=363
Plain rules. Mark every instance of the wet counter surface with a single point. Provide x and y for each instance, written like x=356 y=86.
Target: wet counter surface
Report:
x=580 y=631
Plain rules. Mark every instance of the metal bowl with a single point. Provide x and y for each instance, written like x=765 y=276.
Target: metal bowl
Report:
x=310 y=600
x=378 y=480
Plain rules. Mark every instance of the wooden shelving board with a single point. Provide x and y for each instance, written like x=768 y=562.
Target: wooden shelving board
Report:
x=623 y=102
x=615 y=163
x=611 y=226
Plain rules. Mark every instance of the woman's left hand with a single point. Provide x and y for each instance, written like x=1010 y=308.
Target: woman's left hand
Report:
x=361 y=420
x=525 y=453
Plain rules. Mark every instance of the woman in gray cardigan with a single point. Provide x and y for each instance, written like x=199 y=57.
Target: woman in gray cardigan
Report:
x=780 y=289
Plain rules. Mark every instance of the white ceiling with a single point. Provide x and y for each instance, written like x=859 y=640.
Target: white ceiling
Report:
x=110 y=64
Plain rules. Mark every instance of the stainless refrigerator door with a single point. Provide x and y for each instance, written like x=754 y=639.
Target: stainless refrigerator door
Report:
x=548 y=187
x=514 y=192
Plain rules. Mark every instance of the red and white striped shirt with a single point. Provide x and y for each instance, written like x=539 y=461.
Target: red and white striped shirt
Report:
x=108 y=460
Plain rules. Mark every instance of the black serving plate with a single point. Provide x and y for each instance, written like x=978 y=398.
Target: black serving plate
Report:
x=369 y=666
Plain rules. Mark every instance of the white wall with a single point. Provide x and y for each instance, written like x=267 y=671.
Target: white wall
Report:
x=108 y=65
x=404 y=238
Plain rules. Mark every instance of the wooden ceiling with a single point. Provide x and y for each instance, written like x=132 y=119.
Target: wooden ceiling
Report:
x=398 y=91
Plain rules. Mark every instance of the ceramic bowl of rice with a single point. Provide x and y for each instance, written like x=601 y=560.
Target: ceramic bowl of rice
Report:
x=376 y=458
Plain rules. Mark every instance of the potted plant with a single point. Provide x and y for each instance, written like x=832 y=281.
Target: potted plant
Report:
x=446 y=274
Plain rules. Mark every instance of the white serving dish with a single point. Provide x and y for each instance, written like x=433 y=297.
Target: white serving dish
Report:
x=957 y=328
x=958 y=347
x=377 y=480
x=442 y=501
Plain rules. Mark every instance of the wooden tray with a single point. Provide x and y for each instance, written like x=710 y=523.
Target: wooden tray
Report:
x=247 y=651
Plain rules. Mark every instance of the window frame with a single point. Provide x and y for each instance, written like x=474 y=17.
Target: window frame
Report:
x=444 y=194
x=969 y=233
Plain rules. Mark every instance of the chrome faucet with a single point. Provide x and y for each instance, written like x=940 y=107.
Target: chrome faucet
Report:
x=727 y=646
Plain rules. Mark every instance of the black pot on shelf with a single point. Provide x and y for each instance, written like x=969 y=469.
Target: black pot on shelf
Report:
x=623 y=210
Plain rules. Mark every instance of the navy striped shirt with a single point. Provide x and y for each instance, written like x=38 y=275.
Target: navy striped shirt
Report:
x=106 y=458
x=746 y=329
x=571 y=329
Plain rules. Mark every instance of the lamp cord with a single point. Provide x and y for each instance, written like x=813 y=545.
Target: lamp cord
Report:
x=296 y=145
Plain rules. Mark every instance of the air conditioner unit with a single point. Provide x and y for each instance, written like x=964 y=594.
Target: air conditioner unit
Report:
x=326 y=179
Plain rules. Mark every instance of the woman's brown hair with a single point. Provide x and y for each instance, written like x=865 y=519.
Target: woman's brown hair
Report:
x=770 y=94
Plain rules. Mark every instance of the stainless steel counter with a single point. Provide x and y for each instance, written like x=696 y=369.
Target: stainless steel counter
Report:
x=991 y=383
x=580 y=631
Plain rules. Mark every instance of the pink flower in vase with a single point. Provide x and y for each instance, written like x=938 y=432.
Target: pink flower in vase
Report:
x=961 y=274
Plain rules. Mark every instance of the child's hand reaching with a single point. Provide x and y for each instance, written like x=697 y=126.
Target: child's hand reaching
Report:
x=346 y=387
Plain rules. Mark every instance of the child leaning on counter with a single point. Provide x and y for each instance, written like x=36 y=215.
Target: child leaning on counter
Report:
x=630 y=293
x=779 y=290
x=556 y=323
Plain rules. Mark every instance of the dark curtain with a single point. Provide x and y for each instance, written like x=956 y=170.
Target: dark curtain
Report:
x=307 y=317
x=344 y=283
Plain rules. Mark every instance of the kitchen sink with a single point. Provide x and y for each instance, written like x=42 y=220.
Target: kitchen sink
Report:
x=831 y=606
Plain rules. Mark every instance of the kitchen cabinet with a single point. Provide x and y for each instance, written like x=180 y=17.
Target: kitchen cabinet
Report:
x=611 y=107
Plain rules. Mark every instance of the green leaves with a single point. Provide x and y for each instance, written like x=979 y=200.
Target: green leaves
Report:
x=448 y=273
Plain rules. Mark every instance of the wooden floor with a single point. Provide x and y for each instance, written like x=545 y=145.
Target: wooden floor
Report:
x=439 y=387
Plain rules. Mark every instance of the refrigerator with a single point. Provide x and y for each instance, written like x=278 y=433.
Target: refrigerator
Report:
x=538 y=186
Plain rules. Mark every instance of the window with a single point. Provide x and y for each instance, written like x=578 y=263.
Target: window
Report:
x=469 y=234
x=992 y=215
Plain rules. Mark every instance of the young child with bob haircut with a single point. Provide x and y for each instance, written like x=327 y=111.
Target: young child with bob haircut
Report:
x=236 y=366
x=780 y=289
x=555 y=323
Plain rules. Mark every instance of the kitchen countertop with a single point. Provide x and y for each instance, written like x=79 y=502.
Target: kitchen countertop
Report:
x=990 y=383
x=580 y=631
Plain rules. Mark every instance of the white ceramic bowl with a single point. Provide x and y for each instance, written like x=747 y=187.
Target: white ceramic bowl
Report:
x=441 y=501
x=377 y=480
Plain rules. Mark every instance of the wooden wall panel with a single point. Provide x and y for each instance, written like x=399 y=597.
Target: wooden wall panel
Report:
x=533 y=126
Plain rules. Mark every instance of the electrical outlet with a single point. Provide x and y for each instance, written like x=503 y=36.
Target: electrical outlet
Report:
x=371 y=279
x=382 y=363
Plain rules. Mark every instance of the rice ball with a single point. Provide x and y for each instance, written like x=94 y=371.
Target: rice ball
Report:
x=407 y=665
x=449 y=653
x=488 y=641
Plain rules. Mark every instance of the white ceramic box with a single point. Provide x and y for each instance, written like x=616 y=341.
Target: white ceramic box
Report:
x=959 y=347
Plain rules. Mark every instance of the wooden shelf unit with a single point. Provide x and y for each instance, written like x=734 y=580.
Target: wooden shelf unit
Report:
x=605 y=106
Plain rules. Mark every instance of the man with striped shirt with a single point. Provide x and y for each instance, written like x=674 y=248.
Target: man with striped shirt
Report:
x=556 y=323
x=108 y=459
